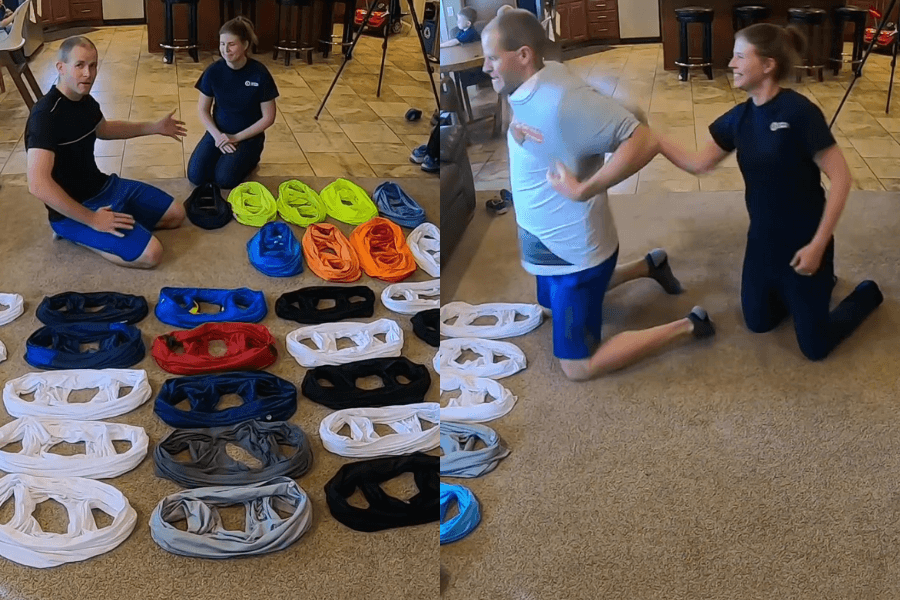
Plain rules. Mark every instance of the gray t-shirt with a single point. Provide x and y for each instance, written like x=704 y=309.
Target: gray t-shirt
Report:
x=568 y=121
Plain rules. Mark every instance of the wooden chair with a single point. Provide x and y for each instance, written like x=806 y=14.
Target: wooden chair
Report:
x=13 y=58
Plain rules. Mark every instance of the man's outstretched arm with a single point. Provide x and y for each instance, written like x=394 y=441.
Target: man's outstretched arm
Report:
x=124 y=130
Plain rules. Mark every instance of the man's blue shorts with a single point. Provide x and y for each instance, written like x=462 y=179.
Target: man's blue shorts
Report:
x=144 y=202
x=577 y=304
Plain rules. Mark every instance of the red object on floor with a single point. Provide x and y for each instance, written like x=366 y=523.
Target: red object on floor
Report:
x=376 y=20
x=249 y=347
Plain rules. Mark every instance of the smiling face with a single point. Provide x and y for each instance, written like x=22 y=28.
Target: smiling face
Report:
x=232 y=48
x=750 y=69
x=507 y=68
x=77 y=74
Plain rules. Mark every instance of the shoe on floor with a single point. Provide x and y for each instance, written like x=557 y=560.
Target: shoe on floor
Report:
x=431 y=165
x=419 y=154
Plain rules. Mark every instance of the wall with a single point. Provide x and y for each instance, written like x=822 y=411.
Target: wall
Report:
x=448 y=21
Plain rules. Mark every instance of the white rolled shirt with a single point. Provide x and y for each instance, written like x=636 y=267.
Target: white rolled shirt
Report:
x=15 y=306
x=99 y=461
x=480 y=400
x=23 y=541
x=425 y=244
x=505 y=313
x=52 y=389
x=447 y=360
x=365 y=442
x=325 y=337
x=410 y=298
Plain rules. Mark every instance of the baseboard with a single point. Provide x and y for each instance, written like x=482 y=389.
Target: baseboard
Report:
x=140 y=21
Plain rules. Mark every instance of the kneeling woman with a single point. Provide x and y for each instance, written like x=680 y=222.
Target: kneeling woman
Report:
x=783 y=144
x=244 y=95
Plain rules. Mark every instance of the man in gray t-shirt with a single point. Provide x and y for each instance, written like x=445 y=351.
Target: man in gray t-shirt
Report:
x=560 y=132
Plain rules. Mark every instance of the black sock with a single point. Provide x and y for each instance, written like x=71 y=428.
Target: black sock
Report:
x=703 y=326
x=658 y=261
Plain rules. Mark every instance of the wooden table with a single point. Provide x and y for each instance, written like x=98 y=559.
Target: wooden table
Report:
x=457 y=59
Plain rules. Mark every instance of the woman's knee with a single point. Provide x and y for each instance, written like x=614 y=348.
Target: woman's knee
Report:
x=813 y=344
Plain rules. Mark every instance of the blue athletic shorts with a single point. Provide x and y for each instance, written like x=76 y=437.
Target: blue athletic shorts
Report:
x=144 y=202
x=577 y=304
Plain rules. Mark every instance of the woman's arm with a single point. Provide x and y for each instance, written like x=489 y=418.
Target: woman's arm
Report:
x=834 y=165
x=697 y=163
x=808 y=259
x=268 y=118
x=204 y=109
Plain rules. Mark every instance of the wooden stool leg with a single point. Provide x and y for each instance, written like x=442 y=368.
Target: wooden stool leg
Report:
x=707 y=50
x=193 y=33
x=837 y=45
x=683 y=73
x=169 y=55
x=277 y=31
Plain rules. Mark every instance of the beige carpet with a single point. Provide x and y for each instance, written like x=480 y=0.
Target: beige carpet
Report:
x=329 y=561
x=731 y=468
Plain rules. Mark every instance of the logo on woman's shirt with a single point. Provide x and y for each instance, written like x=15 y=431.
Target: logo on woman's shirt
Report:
x=775 y=126
x=251 y=83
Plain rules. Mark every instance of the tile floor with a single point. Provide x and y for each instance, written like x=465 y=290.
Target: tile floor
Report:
x=683 y=110
x=358 y=134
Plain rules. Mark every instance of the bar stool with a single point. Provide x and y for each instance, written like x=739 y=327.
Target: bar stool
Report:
x=703 y=16
x=228 y=9
x=294 y=34
x=169 y=40
x=839 y=18
x=745 y=16
x=326 y=34
x=813 y=20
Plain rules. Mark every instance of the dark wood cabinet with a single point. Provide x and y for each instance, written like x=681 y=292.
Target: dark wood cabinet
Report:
x=56 y=12
x=587 y=20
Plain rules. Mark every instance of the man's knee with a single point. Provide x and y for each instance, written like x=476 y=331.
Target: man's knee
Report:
x=576 y=370
x=174 y=216
x=150 y=257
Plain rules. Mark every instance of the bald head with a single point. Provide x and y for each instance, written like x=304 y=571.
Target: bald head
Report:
x=516 y=28
x=76 y=41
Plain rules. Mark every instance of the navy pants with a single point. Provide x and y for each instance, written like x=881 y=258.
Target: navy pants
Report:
x=210 y=165
x=771 y=290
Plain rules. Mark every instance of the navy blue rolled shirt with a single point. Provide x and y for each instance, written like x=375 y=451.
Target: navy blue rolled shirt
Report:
x=238 y=94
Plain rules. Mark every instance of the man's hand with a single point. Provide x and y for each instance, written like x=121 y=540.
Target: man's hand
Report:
x=565 y=182
x=808 y=259
x=170 y=126
x=107 y=221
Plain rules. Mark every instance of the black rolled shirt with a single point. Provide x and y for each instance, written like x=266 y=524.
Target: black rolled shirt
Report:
x=68 y=129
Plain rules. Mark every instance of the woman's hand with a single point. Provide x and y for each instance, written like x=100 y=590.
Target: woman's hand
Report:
x=565 y=183
x=808 y=259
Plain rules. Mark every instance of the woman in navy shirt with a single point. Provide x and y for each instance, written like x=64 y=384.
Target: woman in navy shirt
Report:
x=783 y=144
x=244 y=94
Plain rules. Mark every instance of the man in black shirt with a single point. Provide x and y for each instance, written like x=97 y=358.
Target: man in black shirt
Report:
x=110 y=215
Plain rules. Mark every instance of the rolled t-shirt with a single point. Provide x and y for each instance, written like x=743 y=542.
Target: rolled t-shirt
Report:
x=238 y=93
x=68 y=129
x=561 y=118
